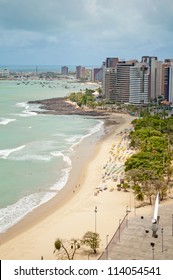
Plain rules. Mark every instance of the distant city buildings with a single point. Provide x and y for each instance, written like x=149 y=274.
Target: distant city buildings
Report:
x=97 y=74
x=80 y=73
x=4 y=72
x=64 y=70
x=137 y=82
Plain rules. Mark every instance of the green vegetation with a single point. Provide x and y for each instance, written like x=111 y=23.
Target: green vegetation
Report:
x=87 y=98
x=66 y=249
x=92 y=240
x=81 y=98
x=150 y=170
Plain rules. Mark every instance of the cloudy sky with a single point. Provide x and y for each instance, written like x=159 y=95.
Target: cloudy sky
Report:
x=85 y=32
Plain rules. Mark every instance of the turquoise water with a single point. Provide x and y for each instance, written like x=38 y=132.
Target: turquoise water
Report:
x=35 y=149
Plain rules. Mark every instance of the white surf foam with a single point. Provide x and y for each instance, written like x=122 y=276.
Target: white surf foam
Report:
x=92 y=131
x=35 y=151
x=6 y=152
x=15 y=212
x=4 y=121
x=66 y=171
x=60 y=154
x=28 y=112
x=73 y=139
x=62 y=181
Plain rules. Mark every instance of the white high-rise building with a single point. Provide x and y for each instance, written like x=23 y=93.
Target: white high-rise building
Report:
x=170 y=98
x=139 y=79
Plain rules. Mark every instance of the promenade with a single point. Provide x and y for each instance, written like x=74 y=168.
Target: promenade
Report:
x=133 y=239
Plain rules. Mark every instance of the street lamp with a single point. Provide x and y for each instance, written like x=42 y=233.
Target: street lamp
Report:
x=162 y=238
x=95 y=210
x=127 y=212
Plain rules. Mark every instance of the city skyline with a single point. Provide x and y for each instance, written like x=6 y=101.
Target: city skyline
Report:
x=81 y=32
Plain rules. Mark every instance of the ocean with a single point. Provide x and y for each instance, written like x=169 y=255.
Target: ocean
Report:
x=36 y=149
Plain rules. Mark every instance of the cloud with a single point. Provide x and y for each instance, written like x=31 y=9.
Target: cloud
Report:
x=86 y=29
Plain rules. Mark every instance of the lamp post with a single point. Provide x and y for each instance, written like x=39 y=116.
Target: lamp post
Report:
x=95 y=210
x=152 y=245
x=127 y=212
x=107 y=252
x=162 y=238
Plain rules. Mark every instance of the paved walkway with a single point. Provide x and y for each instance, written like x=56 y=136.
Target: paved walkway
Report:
x=134 y=242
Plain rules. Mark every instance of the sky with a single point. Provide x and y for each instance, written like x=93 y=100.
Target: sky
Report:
x=84 y=32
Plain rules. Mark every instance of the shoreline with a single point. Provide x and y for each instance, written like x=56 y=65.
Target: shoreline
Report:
x=63 y=106
x=63 y=215
x=63 y=194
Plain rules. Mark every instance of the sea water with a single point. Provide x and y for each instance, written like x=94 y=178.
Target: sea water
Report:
x=35 y=148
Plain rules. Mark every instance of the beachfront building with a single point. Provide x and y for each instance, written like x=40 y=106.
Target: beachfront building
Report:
x=167 y=79
x=111 y=85
x=139 y=81
x=155 y=76
x=123 y=81
x=64 y=70
x=170 y=98
x=108 y=67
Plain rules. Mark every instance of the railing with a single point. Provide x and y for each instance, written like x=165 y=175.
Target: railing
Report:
x=115 y=238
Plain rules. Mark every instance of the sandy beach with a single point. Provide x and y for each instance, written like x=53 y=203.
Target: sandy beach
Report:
x=71 y=213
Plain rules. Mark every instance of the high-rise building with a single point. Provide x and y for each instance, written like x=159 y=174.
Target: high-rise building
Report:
x=103 y=80
x=111 y=84
x=80 y=72
x=139 y=79
x=64 y=70
x=111 y=62
x=97 y=74
x=170 y=98
x=83 y=72
x=155 y=77
x=109 y=76
x=167 y=79
x=123 y=81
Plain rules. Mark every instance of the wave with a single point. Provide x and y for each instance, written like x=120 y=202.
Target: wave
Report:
x=92 y=131
x=15 y=212
x=22 y=104
x=66 y=171
x=28 y=112
x=60 y=154
x=6 y=152
x=73 y=138
x=30 y=157
x=62 y=181
x=4 y=121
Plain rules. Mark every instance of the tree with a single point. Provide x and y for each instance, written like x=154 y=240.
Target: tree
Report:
x=92 y=240
x=67 y=249
x=169 y=174
x=138 y=193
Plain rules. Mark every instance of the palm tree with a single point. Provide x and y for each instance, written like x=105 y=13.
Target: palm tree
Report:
x=139 y=194
x=69 y=249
